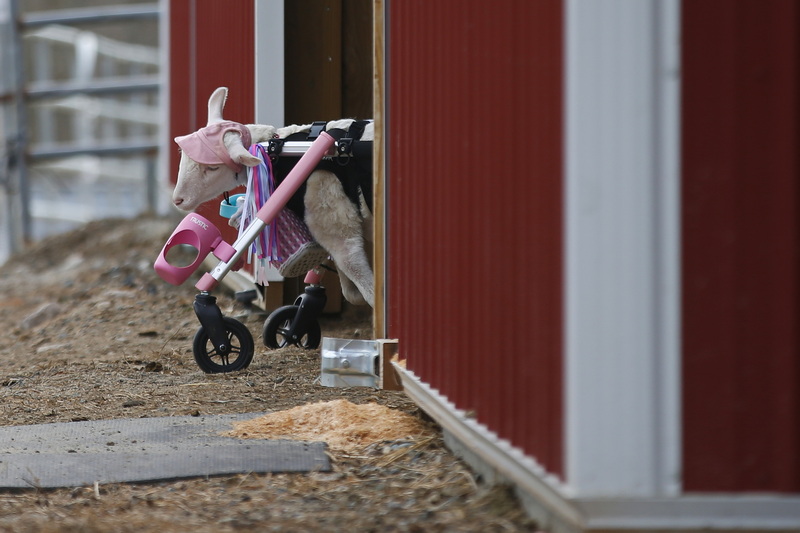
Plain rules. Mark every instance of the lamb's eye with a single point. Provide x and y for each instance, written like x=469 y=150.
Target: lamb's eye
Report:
x=212 y=169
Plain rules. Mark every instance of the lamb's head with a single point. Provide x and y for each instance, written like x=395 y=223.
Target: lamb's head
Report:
x=212 y=158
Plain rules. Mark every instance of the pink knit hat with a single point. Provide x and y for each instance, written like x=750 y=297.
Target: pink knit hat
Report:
x=205 y=145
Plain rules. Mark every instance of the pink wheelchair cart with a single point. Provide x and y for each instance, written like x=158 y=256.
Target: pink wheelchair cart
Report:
x=223 y=344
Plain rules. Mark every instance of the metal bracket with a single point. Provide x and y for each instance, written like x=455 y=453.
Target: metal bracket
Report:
x=275 y=147
x=344 y=146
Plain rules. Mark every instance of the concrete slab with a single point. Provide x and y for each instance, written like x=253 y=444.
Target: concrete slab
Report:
x=77 y=454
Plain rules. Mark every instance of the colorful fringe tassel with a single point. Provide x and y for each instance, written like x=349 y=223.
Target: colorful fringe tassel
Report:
x=260 y=185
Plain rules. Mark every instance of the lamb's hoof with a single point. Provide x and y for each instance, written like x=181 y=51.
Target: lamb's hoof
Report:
x=308 y=256
x=354 y=298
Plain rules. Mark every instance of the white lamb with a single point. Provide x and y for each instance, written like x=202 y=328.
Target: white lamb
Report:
x=334 y=221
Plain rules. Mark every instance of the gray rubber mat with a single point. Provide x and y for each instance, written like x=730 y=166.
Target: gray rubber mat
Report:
x=76 y=454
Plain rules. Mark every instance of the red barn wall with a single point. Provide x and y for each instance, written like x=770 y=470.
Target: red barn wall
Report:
x=474 y=248
x=211 y=45
x=741 y=238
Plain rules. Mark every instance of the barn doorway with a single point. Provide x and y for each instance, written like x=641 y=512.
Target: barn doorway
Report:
x=328 y=74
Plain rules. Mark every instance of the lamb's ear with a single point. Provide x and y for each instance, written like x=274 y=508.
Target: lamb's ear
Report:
x=237 y=151
x=216 y=102
x=240 y=155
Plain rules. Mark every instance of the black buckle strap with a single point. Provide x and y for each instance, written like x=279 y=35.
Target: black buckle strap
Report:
x=316 y=129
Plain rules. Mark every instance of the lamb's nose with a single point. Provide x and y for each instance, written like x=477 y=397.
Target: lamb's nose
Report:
x=177 y=201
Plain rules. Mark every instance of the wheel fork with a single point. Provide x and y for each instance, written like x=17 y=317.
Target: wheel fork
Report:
x=210 y=317
x=309 y=307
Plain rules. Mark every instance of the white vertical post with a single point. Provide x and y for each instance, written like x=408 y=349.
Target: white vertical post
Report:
x=270 y=74
x=269 y=89
x=622 y=250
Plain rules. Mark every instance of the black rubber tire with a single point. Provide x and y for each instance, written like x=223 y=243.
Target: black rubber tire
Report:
x=242 y=348
x=277 y=326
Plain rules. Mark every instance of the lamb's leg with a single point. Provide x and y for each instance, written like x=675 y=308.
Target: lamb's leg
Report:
x=350 y=291
x=335 y=224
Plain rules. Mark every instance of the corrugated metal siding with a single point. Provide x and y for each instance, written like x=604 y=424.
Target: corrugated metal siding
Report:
x=741 y=290
x=475 y=206
x=211 y=45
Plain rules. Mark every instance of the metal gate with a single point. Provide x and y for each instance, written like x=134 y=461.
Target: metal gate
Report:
x=79 y=116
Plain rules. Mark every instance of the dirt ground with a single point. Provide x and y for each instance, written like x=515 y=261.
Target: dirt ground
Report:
x=92 y=333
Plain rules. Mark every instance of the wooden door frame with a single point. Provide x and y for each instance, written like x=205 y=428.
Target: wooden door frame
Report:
x=379 y=171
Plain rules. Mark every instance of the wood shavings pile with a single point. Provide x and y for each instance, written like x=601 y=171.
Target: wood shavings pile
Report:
x=341 y=424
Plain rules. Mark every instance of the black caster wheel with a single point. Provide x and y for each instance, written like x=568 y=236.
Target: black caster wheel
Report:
x=238 y=357
x=277 y=325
